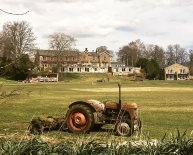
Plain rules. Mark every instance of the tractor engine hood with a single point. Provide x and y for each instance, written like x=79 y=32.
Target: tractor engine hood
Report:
x=124 y=105
x=128 y=105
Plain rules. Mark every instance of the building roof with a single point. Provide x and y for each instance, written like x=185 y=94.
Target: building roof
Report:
x=55 y=53
x=92 y=53
x=118 y=64
x=97 y=53
x=174 y=65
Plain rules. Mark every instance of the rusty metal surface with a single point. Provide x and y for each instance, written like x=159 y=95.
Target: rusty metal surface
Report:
x=128 y=105
x=131 y=108
x=111 y=105
x=124 y=105
x=98 y=106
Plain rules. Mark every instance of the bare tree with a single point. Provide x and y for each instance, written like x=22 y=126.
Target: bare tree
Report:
x=169 y=55
x=60 y=41
x=18 y=39
x=130 y=54
x=148 y=52
x=1 y=44
x=176 y=54
x=158 y=55
x=101 y=49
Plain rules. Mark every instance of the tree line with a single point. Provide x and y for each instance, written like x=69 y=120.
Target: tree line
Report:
x=17 y=41
x=152 y=58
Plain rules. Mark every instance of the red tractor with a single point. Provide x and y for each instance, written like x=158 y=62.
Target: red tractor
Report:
x=85 y=116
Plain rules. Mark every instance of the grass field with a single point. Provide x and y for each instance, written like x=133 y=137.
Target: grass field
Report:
x=164 y=106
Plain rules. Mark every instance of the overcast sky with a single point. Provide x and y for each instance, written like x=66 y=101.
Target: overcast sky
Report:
x=112 y=23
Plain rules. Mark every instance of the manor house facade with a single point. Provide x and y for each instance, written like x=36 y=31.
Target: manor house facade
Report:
x=73 y=61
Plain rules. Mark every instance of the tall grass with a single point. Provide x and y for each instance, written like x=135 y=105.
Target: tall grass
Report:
x=172 y=144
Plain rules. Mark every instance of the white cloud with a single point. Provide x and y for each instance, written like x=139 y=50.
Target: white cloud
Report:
x=113 y=23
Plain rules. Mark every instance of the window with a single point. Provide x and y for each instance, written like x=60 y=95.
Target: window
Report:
x=123 y=69
x=62 y=69
x=79 y=69
x=71 y=69
x=95 y=69
x=86 y=69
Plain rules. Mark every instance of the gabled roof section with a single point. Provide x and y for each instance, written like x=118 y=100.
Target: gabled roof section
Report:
x=175 y=65
x=107 y=52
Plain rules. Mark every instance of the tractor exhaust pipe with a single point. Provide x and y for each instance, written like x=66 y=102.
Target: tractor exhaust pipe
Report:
x=119 y=104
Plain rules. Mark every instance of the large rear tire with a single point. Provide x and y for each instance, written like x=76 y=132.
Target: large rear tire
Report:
x=80 y=119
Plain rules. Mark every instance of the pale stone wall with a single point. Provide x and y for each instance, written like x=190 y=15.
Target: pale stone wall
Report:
x=176 y=72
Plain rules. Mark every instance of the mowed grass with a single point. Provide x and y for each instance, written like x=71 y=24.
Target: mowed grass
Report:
x=164 y=106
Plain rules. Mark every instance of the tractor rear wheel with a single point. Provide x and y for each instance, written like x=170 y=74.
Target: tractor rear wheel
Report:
x=80 y=119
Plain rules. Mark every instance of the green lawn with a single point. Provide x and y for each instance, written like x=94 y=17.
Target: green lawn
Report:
x=164 y=106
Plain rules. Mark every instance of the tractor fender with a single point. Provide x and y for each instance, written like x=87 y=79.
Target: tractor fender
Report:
x=131 y=108
x=95 y=105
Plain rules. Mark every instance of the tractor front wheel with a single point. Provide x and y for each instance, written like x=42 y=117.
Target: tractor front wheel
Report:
x=80 y=119
x=124 y=128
